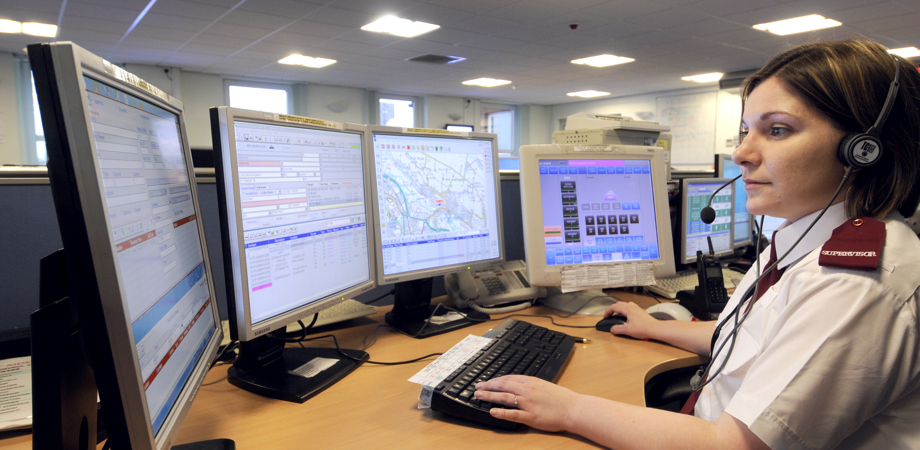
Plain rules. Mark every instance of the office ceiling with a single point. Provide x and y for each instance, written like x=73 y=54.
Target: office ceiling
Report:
x=527 y=41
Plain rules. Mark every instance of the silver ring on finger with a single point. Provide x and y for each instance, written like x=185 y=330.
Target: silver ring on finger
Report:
x=515 y=400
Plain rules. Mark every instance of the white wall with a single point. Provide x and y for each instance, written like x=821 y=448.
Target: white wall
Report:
x=319 y=98
x=440 y=108
x=536 y=124
x=198 y=93
x=10 y=147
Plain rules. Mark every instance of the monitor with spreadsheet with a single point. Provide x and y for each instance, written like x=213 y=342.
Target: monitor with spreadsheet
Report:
x=127 y=205
x=438 y=209
x=694 y=233
x=726 y=168
x=296 y=230
x=593 y=206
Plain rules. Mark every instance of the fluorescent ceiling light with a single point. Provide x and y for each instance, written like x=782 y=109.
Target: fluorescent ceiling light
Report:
x=308 y=61
x=399 y=27
x=10 y=26
x=588 y=94
x=39 y=29
x=798 y=25
x=704 y=77
x=603 y=60
x=486 y=82
x=906 y=52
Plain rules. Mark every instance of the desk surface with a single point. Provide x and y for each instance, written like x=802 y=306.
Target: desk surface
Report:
x=375 y=406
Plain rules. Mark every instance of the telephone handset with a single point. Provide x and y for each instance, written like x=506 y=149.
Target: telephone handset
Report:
x=494 y=290
x=709 y=297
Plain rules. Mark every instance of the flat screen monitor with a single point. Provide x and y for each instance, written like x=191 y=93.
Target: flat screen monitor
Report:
x=123 y=187
x=296 y=229
x=594 y=206
x=437 y=204
x=694 y=233
x=726 y=168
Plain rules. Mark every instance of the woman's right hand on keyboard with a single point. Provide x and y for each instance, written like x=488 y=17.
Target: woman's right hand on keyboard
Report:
x=639 y=324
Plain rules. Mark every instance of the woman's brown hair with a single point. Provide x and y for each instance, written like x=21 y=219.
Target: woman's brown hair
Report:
x=848 y=82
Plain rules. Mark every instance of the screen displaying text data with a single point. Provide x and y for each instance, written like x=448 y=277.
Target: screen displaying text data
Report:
x=597 y=211
x=302 y=206
x=154 y=230
x=697 y=231
x=742 y=222
x=437 y=201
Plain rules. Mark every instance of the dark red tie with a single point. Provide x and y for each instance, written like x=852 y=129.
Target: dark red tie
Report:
x=762 y=286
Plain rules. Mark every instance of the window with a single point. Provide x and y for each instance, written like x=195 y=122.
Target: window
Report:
x=499 y=119
x=32 y=136
x=260 y=97
x=397 y=111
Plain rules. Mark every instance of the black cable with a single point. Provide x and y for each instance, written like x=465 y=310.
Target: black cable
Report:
x=368 y=361
x=381 y=297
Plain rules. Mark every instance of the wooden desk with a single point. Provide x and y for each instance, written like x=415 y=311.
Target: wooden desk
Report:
x=375 y=406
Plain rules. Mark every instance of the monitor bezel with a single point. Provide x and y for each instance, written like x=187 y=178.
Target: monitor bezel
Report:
x=382 y=278
x=684 y=183
x=541 y=274
x=78 y=197
x=225 y=162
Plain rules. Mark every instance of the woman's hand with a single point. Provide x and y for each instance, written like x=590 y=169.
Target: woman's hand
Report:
x=540 y=404
x=639 y=324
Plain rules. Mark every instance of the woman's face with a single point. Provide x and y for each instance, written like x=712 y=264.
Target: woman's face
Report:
x=788 y=157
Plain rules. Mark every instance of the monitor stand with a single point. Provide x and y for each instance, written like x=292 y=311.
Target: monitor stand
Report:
x=412 y=307
x=591 y=302
x=265 y=367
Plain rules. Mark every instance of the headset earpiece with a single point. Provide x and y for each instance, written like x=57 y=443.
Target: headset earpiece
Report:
x=859 y=150
x=862 y=150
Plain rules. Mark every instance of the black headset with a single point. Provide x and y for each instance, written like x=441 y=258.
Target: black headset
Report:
x=856 y=151
x=862 y=150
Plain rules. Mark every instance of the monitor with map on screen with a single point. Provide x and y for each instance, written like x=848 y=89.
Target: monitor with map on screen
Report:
x=694 y=233
x=296 y=229
x=127 y=205
x=438 y=209
x=594 y=217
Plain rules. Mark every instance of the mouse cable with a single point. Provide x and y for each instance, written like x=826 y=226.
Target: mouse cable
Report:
x=703 y=376
x=368 y=361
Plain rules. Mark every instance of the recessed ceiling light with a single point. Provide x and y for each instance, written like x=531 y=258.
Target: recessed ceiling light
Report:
x=906 y=52
x=10 y=26
x=704 y=77
x=588 y=94
x=486 y=82
x=603 y=60
x=39 y=29
x=399 y=27
x=308 y=61
x=798 y=25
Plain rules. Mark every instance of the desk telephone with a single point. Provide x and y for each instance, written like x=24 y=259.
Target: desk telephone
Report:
x=494 y=290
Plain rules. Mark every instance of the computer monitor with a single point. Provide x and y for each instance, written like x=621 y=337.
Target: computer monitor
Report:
x=591 y=206
x=296 y=230
x=127 y=206
x=438 y=207
x=726 y=168
x=694 y=233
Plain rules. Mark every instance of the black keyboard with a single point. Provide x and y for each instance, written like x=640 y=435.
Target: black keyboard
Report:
x=517 y=348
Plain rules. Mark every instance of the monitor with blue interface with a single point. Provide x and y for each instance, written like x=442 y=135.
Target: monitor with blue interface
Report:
x=696 y=234
x=595 y=205
x=726 y=168
x=125 y=195
x=294 y=207
x=438 y=209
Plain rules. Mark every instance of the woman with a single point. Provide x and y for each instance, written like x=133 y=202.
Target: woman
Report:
x=829 y=355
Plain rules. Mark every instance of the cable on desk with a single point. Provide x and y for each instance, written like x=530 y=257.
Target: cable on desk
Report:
x=381 y=297
x=368 y=361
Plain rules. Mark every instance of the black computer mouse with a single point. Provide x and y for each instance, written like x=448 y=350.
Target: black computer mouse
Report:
x=605 y=324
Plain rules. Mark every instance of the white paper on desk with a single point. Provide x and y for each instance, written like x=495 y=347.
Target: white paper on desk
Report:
x=16 y=393
x=452 y=359
x=599 y=276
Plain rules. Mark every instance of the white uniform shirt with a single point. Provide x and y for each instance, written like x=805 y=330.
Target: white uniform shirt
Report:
x=828 y=357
